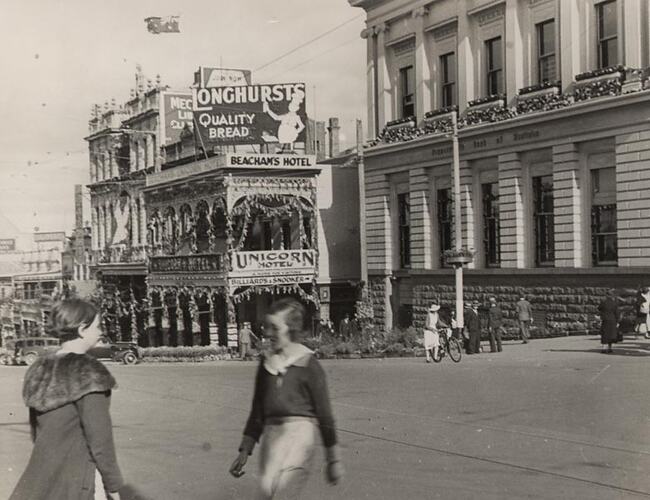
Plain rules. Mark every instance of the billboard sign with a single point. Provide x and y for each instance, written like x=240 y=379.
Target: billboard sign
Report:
x=266 y=160
x=221 y=77
x=7 y=245
x=250 y=114
x=175 y=114
x=272 y=267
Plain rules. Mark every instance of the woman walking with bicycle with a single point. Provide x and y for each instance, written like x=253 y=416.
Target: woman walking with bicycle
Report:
x=431 y=332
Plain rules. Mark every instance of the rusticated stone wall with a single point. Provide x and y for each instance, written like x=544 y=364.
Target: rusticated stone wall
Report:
x=569 y=307
x=377 y=292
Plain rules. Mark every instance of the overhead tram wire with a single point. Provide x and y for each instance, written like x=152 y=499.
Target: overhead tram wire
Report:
x=295 y=49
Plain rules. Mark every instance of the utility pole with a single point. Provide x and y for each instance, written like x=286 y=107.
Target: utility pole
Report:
x=458 y=267
x=362 y=205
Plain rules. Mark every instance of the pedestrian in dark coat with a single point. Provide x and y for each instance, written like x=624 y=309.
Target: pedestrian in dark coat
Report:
x=525 y=317
x=473 y=325
x=68 y=396
x=609 y=316
x=495 y=325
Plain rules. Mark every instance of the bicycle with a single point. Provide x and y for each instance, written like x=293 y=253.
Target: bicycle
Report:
x=449 y=345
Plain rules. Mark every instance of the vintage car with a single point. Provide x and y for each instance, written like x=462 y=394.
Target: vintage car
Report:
x=126 y=352
x=27 y=349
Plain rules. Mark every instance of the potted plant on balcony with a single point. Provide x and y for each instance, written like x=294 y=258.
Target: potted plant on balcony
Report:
x=459 y=257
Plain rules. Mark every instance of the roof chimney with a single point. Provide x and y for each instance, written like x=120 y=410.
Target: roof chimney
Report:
x=333 y=130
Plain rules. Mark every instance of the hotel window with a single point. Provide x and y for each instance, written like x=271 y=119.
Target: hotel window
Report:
x=494 y=65
x=286 y=234
x=607 y=34
x=546 y=51
x=544 y=223
x=306 y=227
x=404 y=229
x=445 y=218
x=490 y=195
x=604 y=243
x=407 y=90
x=448 y=79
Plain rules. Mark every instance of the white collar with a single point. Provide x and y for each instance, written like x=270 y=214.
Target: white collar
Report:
x=278 y=365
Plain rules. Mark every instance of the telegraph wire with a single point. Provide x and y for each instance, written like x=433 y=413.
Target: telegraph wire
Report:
x=295 y=49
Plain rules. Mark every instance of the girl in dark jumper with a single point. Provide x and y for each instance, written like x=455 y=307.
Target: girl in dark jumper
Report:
x=290 y=404
x=68 y=396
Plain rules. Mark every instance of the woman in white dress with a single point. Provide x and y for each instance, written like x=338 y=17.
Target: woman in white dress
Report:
x=431 y=335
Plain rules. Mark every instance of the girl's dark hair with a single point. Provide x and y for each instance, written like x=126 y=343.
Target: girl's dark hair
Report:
x=68 y=315
x=294 y=316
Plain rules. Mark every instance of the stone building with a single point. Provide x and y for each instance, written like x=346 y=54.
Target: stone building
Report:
x=554 y=132
x=125 y=146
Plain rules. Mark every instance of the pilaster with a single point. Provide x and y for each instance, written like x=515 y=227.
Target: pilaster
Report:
x=378 y=225
x=465 y=78
x=632 y=203
x=368 y=35
x=511 y=212
x=633 y=33
x=383 y=78
x=567 y=209
x=422 y=65
x=571 y=37
x=514 y=51
x=421 y=251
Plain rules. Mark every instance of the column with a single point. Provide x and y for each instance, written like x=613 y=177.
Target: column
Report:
x=465 y=59
x=633 y=33
x=133 y=155
x=368 y=35
x=632 y=205
x=571 y=39
x=421 y=251
x=384 y=104
x=143 y=220
x=467 y=207
x=511 y=212
x=514 y=51
x=567 y=210
x=422 y=68
x=95 y=228
x=379 y=242
x=101 y=228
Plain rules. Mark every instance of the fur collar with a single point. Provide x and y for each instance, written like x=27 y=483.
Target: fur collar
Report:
x=53 y=380
x=299 y=355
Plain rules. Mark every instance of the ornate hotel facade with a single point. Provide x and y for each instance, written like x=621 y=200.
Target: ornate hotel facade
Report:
x=554 y=129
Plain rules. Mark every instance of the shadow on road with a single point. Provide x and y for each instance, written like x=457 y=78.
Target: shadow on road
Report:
x=626 y=348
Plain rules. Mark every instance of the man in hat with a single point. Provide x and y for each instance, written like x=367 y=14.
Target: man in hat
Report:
x=495 y=325
x=245 y=334
x=431 y=335
x=525 y=317
x=473 y=326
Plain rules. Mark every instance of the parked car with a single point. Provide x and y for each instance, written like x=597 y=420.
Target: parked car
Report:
x=27 y=349
x=126 y=352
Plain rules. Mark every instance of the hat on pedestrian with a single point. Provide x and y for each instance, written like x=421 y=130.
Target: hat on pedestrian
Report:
x=434 y=308
x=493 y=299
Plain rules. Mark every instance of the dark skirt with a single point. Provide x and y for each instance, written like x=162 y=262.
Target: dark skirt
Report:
x=608 y=332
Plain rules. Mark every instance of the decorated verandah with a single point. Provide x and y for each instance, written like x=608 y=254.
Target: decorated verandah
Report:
x=225 y=241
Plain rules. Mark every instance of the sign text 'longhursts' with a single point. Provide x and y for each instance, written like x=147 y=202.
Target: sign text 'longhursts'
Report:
x=250 y=114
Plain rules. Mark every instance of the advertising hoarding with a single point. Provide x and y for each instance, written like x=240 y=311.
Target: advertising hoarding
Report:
x=250 y=114
x=266 y=160
x=175 y=114
x=7 y=245
x=272 y=267
x=220 y=77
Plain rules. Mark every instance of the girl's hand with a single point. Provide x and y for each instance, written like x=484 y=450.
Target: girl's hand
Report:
x=114 y=496
x=335 y=472
x=237 y=467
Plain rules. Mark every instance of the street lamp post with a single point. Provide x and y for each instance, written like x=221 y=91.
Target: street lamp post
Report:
x=458 y=267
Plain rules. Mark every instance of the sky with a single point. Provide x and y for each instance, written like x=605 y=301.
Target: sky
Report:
x=60 y=57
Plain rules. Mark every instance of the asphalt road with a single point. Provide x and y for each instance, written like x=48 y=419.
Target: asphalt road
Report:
x=553 y=419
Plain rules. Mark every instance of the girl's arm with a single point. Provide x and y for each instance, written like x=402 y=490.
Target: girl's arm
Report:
x=255 y=423
x=96 y=422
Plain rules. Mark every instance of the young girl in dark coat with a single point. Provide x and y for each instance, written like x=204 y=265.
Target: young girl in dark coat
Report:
x=68 y=396
x=290 y=404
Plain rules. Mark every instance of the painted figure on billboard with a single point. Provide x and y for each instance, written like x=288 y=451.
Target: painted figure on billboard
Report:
x=290 y=123
x=122 y=221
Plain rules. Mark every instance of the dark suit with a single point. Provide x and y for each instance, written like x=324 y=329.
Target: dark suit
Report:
x=473 y=326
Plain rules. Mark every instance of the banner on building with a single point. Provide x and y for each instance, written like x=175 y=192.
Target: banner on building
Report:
x=265 y=160
x=272 y=267
x=250 y=114
x=7 y=245
x=221 y=77
x=175 y=115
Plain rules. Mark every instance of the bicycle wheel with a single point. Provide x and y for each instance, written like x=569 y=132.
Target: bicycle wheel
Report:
x=441 y=351
x=454 y=350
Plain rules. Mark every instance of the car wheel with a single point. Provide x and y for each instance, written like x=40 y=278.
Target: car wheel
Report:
x=130 y=358
x=29 y=358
